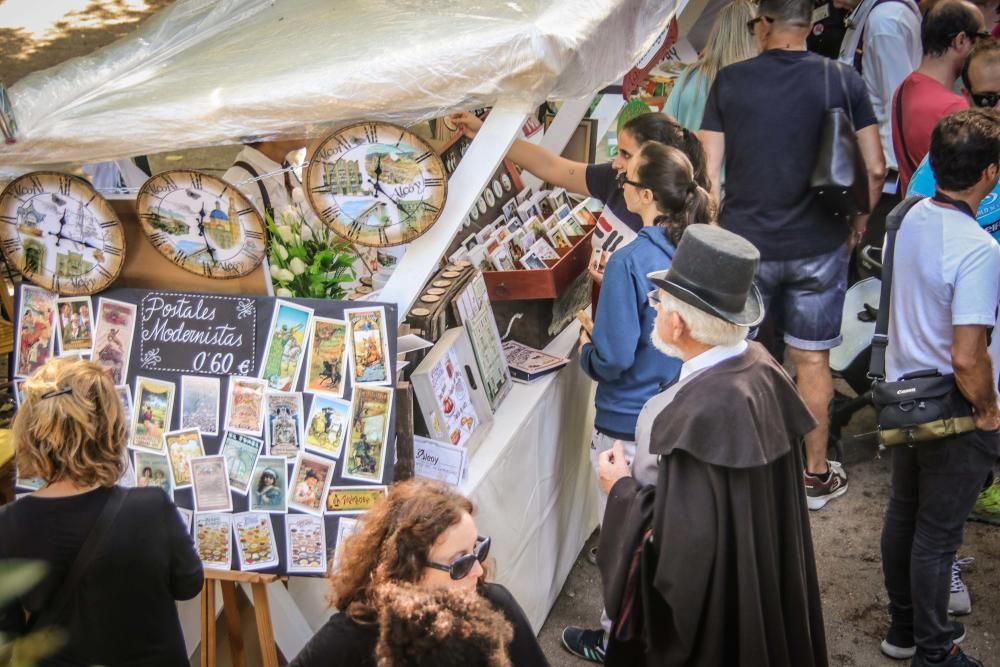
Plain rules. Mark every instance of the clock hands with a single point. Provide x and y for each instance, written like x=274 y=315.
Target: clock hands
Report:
x=203 y=235
x=379 y=188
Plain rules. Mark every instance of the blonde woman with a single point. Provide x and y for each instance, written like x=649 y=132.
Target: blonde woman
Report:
x=117 y=559
x=729 y=42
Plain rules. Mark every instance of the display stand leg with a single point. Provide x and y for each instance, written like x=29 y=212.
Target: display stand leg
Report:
x=208 y=653
x=262 y=608
x=231 y=614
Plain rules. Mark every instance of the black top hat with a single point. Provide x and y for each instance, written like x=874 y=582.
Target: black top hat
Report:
x=713 y=271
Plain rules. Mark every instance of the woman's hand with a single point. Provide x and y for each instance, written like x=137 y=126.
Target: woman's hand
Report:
x=467 y=123
x=612 y=466
x=584 y=339
x=596 y=274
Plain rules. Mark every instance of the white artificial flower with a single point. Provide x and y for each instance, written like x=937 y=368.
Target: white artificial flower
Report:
x=285 y=232
x=297 y=266
x=281 y=291
x=282 y=251
x=274 y=271
x=298 y=196
x=285 y=275
x=306 y=232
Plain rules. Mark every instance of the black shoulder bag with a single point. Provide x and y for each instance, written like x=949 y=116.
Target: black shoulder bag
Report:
x=55 y=610
x=922 y=405
x=840 y=177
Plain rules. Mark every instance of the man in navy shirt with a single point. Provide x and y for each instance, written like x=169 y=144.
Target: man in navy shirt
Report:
x=765 y=116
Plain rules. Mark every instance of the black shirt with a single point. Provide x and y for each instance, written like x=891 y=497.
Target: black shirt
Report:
x=342 y=641
x=124 y=612
x=771 y=109
x=602 y=183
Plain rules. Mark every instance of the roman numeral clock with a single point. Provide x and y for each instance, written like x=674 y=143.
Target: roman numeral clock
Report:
x=60 y=234
x=376 y=184
x=201 y=223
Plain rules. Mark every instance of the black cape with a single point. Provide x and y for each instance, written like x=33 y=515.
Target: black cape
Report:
x=730 y=578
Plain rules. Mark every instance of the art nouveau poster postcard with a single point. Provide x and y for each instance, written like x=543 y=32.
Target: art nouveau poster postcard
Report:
x=366 y=440
x=370 y=361
x=311 y=477
x=210 y=484
x=283 y=417
x=200 y=403
x=113 y=331
x=75 y=324
x=269 y=485
x=305 y=543
x=286 y=345
x=352 y=500
x=213 y=541
x=245 y=405
x=151 y=413
x=153 y=470
x=255 y=544
x=241 y=452
x=326 y=363
x=182 y=446
x=327 y=426
x=35 y=337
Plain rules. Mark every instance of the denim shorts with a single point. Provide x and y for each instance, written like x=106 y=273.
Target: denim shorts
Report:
x=808 y=294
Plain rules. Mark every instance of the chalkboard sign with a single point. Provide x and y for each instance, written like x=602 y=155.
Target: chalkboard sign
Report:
x=207 y=334
x=189 y=346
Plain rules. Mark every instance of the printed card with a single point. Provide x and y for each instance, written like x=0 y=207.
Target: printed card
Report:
x=369 y=343
x=543 y=250
x=329 y=420
x=125 y=396
x=584 y=215
x=366 y=445
x=210 y=483
x=75 y=324
x=269 y=485
x=345 y=527
x=213 y=541
x=113 y=333
x=241 y=452
x=286 y=347
x=311 y=477
x=283 y=414
x=35 y=332
x=186 y=517
x=326 y=363
x=200 y=403
x=245 y=405
x=351 y=500
x=559 y=238
x=255 y=543
x=18 y=392
x=128 y=479
x=152 y=410
x=438 y=461
x=531 y=262
x=479 y=259
x=29 y=483
x=153 y=470
x=305 y=544
x=502 y=261
x=182 y=446
x=571 y=226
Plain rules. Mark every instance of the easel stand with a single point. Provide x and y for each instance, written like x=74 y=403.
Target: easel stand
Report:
x=265 y=632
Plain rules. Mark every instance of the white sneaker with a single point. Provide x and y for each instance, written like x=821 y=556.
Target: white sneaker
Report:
x=959 y=603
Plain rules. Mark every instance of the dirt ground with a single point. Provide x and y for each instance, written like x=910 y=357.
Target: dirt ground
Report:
x=845 y=533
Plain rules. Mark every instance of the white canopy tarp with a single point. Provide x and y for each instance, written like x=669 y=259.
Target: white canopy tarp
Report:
x=209 y=72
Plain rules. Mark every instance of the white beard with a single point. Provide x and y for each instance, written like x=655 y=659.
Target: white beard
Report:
x=665 y=348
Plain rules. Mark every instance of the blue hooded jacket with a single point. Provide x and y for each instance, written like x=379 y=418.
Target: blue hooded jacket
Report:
x=628 y=369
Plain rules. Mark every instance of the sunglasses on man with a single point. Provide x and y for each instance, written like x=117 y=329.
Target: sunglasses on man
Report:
x=461 y=567
x=986 y=100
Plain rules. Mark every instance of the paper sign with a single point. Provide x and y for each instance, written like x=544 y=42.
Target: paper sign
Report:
x=438 y=461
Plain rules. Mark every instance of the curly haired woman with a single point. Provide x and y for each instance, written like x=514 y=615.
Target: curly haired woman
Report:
x=422 y=534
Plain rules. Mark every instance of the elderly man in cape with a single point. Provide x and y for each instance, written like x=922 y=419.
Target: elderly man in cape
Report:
x=712 y=562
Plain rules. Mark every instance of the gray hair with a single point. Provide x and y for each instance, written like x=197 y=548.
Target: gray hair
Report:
x=705 y=328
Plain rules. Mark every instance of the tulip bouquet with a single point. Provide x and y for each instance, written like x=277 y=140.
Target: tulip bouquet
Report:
x=307 y=260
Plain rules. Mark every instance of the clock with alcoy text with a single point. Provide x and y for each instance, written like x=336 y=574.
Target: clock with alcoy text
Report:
x=376 y=184
x=59 y=233
x=201 y=223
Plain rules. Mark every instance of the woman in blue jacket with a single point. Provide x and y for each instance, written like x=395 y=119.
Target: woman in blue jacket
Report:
x=659 y=185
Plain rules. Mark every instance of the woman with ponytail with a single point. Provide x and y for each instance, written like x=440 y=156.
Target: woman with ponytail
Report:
x=659 y=186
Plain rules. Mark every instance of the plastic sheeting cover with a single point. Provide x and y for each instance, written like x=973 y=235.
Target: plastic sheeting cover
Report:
x=208 y=72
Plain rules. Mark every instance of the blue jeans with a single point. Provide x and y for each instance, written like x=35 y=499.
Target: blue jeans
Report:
x=934 y=487
x=810 y=293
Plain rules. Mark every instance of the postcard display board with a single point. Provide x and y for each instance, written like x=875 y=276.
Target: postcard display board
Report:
x=317 y=443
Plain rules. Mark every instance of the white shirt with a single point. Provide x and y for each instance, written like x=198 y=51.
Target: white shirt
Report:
x=891 y=51
x=645 y=464
x=275 y=185
x=946 y=273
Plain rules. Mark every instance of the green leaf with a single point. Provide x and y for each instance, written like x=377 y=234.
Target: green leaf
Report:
x=18 y=577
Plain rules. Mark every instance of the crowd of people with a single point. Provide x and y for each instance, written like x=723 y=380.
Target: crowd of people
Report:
x=708 y=454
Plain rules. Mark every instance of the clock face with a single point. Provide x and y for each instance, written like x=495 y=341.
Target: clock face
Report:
x=202 y=224
x=60 y=234
x=376 y=184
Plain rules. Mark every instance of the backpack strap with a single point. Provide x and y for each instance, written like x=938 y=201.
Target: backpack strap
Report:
x=860 y=48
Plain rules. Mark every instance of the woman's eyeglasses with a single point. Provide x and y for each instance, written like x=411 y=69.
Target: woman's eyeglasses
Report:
x=752 y=23
x=623 y=179
x=461 y=566
x=985 y=100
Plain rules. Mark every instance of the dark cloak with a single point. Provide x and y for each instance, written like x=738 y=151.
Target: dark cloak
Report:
x=730 y=578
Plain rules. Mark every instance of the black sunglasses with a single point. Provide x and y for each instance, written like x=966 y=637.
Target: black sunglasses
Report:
x=973 y=36
x=623 y=179
x=985 y=100
x=462 y=566
x=752 y=23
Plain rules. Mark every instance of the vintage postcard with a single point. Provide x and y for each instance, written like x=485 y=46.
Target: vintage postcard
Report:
x=286 y=345
x=326 y=363
x=367 y=437
x=18 y=392
x=255 y=544
x=75 y=324
x=311 y=477
x=349 y=500
x=128 y=479
x=326 y=428
x=559 y=239
x=269 y=485
x=245 y=405
x=200 y=403
x=182 y=446
x=439 y=461
x=283 y=417
x=186 y=517
x=543 y=250
x=531 y=262
x=345 y=527
x=502 y=260
x=113 y=331
x=35 y=331
x=479 y=259
x=241 y=452
x=305 y=544
x=29 y=483
x=152 y=410
x=572 y=226
x=213 y=540
x=584 y=216
x=125 y=396
x=370 y=361
x=153 y=470
x=210 y=484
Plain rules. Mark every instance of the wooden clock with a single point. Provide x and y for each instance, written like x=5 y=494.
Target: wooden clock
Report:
x=60 y=234
x=202 y=224
x=376 y=184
